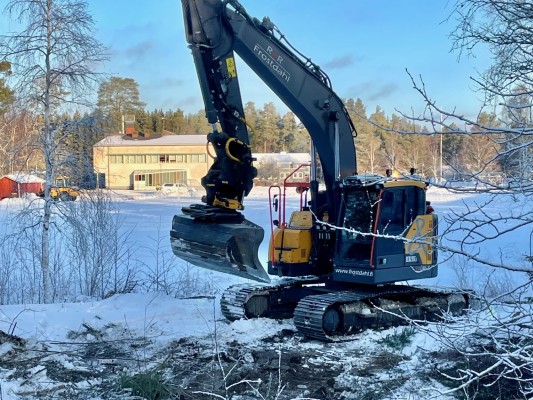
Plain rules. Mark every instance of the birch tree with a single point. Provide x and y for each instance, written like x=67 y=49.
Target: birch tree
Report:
x=498 y=349
x=503 y=139
x=18 y=134
x=54 y=58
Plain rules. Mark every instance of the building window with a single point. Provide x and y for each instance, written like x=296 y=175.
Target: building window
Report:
x=152 y=158
x=157 y=158
x=196 y=158
x=116 y=159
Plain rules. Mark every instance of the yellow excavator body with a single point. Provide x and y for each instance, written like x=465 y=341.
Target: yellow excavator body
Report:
x=62 y=190
x=292 y=244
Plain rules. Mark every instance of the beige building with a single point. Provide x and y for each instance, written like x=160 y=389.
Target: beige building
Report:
x=285 y=165
x=138 y=164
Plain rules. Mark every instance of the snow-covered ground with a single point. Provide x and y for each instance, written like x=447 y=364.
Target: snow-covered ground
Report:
x=57 y=331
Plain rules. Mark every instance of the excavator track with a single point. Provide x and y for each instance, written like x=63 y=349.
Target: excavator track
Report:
x=331 y=315
x=338 y=315
x=233 y=300
x=266 y=301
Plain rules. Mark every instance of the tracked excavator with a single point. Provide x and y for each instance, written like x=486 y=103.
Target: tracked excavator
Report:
x=343 y=259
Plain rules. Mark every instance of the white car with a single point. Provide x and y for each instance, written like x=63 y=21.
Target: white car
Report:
x=179 y=189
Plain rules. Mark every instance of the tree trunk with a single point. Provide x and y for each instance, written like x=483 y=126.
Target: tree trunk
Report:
x=45 y=250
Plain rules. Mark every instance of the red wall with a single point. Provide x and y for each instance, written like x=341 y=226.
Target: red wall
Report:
x=8 y=187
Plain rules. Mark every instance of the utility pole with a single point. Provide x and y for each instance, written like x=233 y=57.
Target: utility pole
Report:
x=441 y=178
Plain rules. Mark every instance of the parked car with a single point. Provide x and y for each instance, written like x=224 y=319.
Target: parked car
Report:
x=198 y=190
x=179 y=189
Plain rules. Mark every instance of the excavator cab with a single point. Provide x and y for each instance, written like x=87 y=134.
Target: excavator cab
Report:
x=386 y=234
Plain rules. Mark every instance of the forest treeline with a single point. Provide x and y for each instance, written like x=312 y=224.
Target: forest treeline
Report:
x=383 y=141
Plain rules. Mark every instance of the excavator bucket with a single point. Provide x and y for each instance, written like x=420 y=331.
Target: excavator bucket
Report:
x=227 y=247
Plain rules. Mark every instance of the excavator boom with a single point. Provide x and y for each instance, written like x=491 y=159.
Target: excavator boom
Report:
x=216 y=236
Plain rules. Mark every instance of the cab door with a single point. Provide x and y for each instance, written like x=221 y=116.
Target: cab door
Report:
x=398 y=208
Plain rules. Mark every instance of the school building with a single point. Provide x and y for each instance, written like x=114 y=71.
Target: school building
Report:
x=123 y=162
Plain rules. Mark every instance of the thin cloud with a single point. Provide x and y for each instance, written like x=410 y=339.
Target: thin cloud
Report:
x=383 y=92
x=372 y=91
x=191 y=102
x=172 y=82
x=139 y=50
x=339 y=62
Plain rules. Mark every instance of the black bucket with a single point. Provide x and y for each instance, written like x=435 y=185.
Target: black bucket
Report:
x=227 y=247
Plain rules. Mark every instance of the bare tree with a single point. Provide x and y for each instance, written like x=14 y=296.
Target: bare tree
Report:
x=97 y=246
x=501 y=143
x=499 y=350
x=18 y=134
x=269 y=171
x=54 y=60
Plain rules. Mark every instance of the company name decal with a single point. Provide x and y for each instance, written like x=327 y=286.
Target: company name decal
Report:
x=272 y=58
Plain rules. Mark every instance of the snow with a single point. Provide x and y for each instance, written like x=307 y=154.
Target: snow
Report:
x=146 y=313
x=165 y=319
x=119 y=140
x=145 y=213
x=21 y=177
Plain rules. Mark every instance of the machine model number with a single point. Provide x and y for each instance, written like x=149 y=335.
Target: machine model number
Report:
x=411 y=259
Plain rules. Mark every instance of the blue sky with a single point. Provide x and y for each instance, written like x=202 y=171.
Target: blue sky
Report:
x=365 y=46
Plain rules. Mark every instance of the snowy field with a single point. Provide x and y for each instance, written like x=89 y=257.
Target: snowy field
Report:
x=163 y=320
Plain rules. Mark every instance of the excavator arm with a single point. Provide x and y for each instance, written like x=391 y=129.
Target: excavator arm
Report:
x=216 y=30
x=230 y=177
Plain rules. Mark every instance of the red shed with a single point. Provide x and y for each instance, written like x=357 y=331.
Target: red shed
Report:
x=15 y=185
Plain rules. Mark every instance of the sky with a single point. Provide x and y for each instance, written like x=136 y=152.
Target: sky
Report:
x=365 y=46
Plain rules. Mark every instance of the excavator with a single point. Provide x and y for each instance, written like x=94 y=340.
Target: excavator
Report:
x=344 y=258
x=63 y=190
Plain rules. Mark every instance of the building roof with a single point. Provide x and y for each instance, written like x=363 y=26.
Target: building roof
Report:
x=295 y=158
x=21 y=177
x=166 y=140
